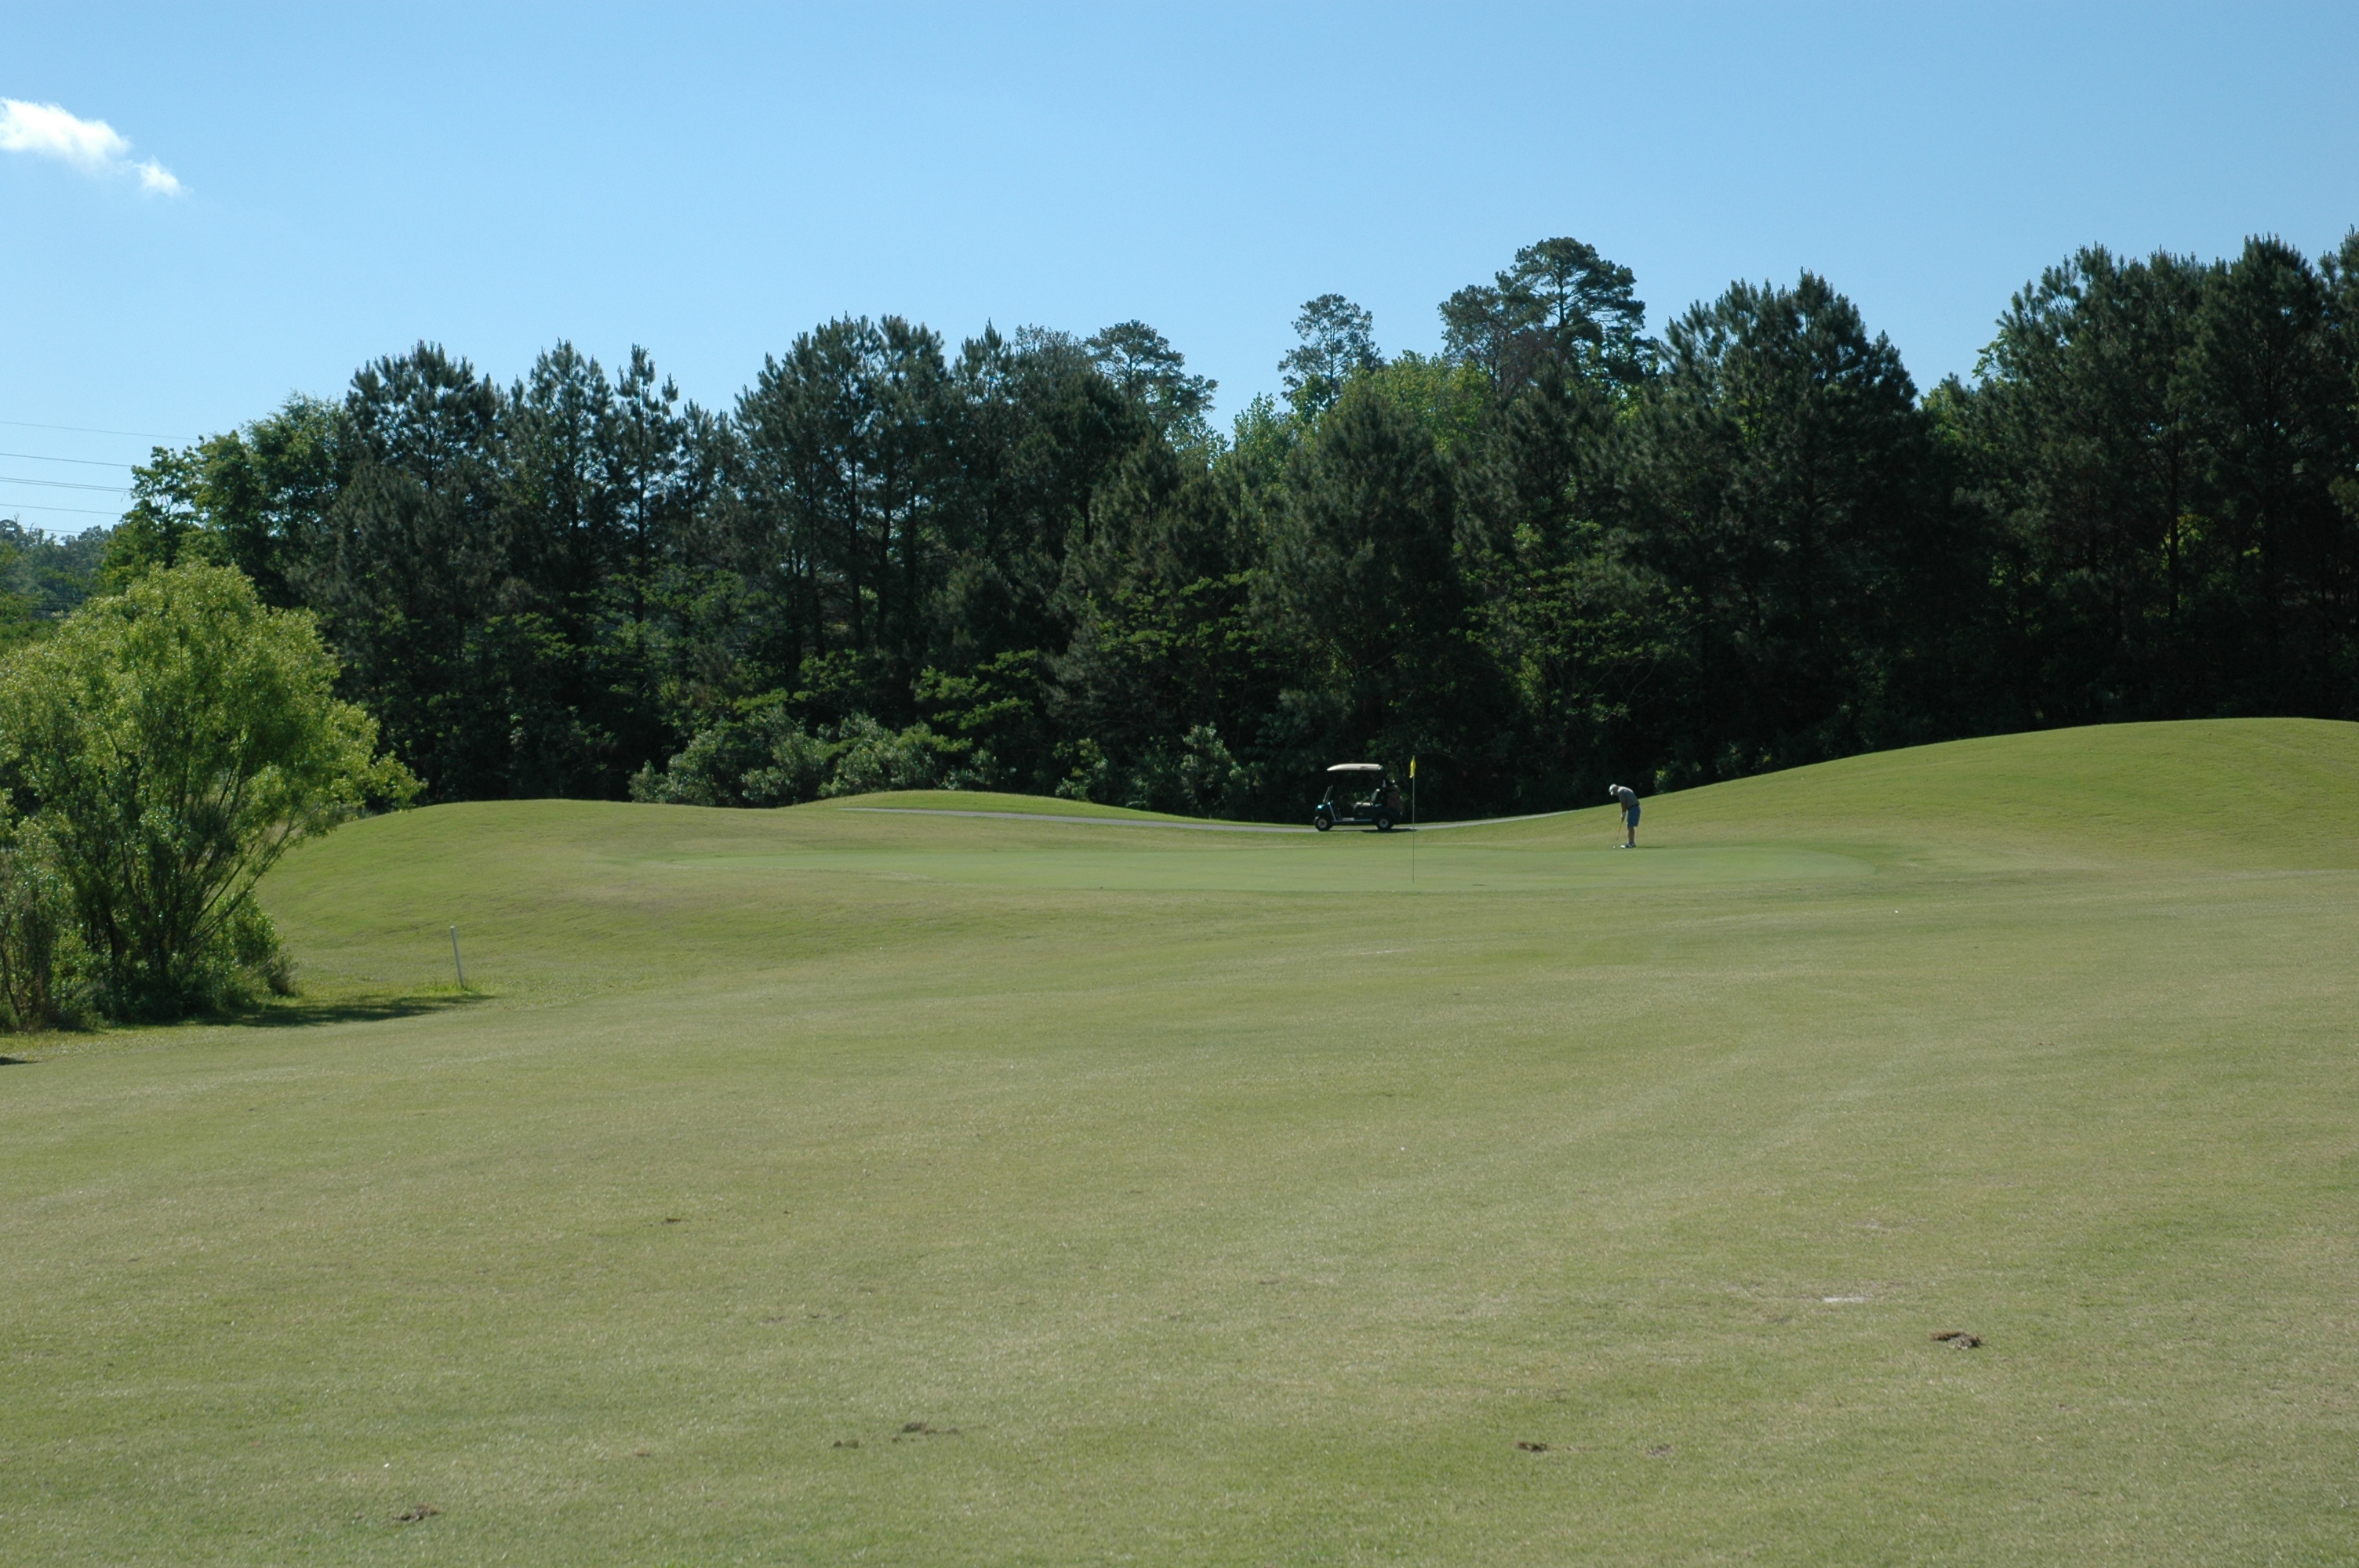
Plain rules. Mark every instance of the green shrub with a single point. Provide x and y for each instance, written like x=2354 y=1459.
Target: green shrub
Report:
x=43 y=962
x=170 y=744
x=709 y=771
x=1200 y=777
x=256 y=951
x=1091 y=776
x=870 y=758
x=770 y=759
x=764 y=759
x=794 y=768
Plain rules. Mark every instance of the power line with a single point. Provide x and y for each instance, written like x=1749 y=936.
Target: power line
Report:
x=63 y=484
x=36 y=506
x=86 y=430
x=86 y=462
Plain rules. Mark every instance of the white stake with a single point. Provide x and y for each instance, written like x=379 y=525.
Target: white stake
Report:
x=456 y=962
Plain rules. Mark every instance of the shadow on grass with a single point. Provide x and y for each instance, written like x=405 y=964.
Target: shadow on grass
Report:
x=293 y=1012
x=297 y=1013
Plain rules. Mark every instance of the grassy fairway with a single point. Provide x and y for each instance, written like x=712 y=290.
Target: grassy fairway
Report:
x=1235 y=1197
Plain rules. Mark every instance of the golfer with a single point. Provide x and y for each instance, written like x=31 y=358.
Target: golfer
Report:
x=1629 y=799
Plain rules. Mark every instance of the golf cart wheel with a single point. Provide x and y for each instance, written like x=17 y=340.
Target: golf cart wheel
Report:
x=1323 y=822
x=1383 y=821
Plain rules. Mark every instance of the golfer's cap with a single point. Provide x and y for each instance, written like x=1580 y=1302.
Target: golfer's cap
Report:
x=1612 y=790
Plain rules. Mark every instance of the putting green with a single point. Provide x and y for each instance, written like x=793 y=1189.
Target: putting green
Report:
x=835 y=1184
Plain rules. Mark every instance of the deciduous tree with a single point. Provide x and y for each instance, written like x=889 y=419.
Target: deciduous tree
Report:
x=170 y=744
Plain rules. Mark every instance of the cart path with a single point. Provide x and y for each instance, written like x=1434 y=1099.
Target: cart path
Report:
x=1186 y=827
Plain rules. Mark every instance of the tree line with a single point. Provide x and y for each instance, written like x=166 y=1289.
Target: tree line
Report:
x=1559 y=551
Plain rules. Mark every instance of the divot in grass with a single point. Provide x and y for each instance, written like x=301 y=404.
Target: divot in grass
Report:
x=917 y=1429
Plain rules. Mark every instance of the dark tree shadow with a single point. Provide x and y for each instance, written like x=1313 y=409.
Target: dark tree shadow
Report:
x=300 y=1014
x=15 y=1061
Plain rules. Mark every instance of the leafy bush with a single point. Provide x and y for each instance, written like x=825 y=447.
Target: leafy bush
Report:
x=769 y=759
x=1091 y=776
x=709 y=771
x=170 y=744
x=256 y=951
x=870 y=758
x=796 y=766
x=43 y=963
x=1200 y=777
x=765 y=758
x=1210 y=779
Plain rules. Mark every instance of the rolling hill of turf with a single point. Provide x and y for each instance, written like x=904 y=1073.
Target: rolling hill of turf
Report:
x=865 y=1182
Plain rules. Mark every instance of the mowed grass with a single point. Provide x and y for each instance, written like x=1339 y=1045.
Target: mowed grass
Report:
x=840 y=1184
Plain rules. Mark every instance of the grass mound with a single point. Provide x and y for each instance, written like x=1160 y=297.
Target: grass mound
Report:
x=2248 y=794
x=804 y=1184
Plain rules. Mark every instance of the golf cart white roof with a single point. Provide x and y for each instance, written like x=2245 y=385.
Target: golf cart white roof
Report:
x=1357 y=768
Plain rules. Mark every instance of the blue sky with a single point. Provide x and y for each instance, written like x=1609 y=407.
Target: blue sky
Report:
x=710 y=180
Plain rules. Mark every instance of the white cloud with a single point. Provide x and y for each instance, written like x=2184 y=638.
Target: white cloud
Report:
x=94 y=147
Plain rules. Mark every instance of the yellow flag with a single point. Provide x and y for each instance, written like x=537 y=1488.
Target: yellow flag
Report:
x=1412 y=767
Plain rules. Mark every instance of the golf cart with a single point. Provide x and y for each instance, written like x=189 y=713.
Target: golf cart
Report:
x=1358 y=793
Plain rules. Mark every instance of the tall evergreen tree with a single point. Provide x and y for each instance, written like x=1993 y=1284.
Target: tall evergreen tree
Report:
x=1775 y=482
x=1561 y=310
x=1337 y=341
